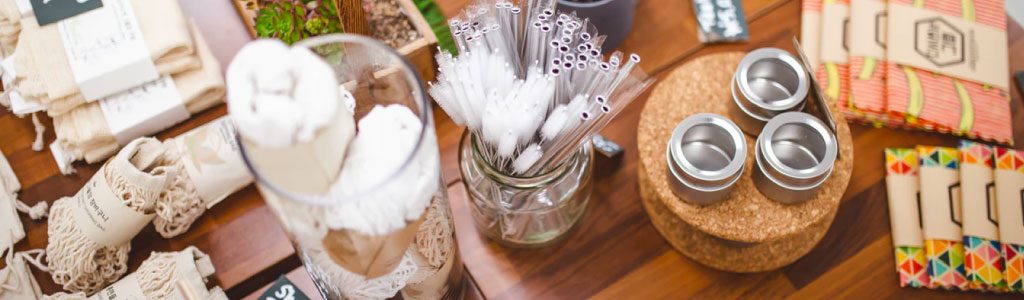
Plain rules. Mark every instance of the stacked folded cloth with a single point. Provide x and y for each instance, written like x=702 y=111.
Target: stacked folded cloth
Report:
x=947 y=77
x=99 y=101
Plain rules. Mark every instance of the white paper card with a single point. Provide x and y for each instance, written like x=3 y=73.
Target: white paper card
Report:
x=834 y=18
x=24 y=7
x=106 y=50
x=143 y=111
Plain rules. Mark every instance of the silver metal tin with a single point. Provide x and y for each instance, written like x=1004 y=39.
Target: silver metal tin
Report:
x=768 y=82
x=705 y=158
x=795 y=154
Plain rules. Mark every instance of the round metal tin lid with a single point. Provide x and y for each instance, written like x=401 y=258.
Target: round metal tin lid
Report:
x=707 y=148
x=798 y=145
x=772 y=79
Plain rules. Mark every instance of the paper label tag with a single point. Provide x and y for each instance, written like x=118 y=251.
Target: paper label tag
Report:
x=213 y=161
x=721 y=20
x=49 y=11
x=144 y=110
x=979 y=205
x=948 y=45
x=125 y=289
x=106 y=50
x=904 y=213
x=1010 y=199
x=810 y=37
x=869 y=17
x=101 y=216
x=283 y=289
x=834 y=20
x=940 y=204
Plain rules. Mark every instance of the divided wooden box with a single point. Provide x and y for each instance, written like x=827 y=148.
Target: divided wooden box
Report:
x=419 y=52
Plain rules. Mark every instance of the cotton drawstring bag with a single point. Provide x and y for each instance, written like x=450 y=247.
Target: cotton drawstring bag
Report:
x=11 y=228
x=16 y=281
x=45 y=75
x=164 y=275
x=89 y=233
x=85 y=132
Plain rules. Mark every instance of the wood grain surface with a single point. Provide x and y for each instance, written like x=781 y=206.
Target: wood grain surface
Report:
x=614 y=254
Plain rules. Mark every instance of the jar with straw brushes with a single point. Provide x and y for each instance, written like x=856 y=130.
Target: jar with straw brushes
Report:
x=532 y=87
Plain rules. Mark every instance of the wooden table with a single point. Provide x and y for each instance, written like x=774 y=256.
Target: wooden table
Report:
x=615 y=253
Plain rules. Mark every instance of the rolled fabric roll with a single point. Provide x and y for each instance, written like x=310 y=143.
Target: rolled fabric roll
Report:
x=89 y=234
x=45 y=75
x=164 y=275
x=84 y=133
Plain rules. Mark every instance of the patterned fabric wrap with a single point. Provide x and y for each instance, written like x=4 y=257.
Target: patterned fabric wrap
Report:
x=945 y=258
x=834 y=76
x=931 y=101
x=983 y=261
x=910 y=260
x=1013 y=254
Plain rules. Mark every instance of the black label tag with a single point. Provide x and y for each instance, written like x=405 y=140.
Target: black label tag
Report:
x=283 y=289
x=721 y=21
x=49 y=11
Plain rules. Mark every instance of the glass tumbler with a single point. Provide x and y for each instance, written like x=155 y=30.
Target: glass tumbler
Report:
x=417 y=258
x=526 y=211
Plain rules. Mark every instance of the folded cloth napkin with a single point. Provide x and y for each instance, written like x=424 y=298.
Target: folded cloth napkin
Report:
x=164 y=275
x=45 y=75
x=89 y=234
x=83 y=133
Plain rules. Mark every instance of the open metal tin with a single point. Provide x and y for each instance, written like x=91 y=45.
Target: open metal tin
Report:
x=705 y=158
x=767 y=82
x=795 y=154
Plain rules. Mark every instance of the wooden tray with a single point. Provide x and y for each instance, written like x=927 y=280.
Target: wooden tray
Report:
x=747 y=232
x=419 y=52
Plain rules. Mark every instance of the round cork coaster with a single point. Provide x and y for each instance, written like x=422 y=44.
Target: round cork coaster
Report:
x=746 y=232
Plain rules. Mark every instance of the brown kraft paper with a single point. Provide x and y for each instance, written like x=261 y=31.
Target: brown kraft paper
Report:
x=904 y=215
x=1010 y=199
x=368 y=255
x=979 y=205
x=940 y=204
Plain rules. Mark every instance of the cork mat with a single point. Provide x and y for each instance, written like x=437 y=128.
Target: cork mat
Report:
x=776 y=230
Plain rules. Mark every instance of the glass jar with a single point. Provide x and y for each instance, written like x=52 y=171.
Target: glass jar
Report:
x=526 y=211
x=351 y=241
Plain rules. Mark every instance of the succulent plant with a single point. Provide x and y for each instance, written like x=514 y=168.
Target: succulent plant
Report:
x=294 y=20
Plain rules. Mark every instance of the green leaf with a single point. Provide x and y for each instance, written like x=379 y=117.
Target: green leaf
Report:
x=438 y=23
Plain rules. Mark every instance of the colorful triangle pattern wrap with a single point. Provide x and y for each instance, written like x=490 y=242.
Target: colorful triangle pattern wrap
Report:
x=1014 y=267
x=983 y=260
x=983 y=263
x=900 y=161
x=910 y=263
x=938 y=157
x=946 y=264
x=1009 y=159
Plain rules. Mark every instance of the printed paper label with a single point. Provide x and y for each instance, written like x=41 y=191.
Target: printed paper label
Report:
x=125 y=289
x=101 y=216
x=810 y=37
x=948 y=45
x=940 y=204
x=213 y=161
x=106 y=50
x=144 y=110
x=834 y=19
x=868 y=18
x=979 y=205
x=1010 y=197
x=904 y=215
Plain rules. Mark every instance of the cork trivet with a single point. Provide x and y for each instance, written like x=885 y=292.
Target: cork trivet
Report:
x=780 y=233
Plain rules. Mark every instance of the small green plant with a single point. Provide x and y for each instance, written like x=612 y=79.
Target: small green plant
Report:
x=294 y=20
